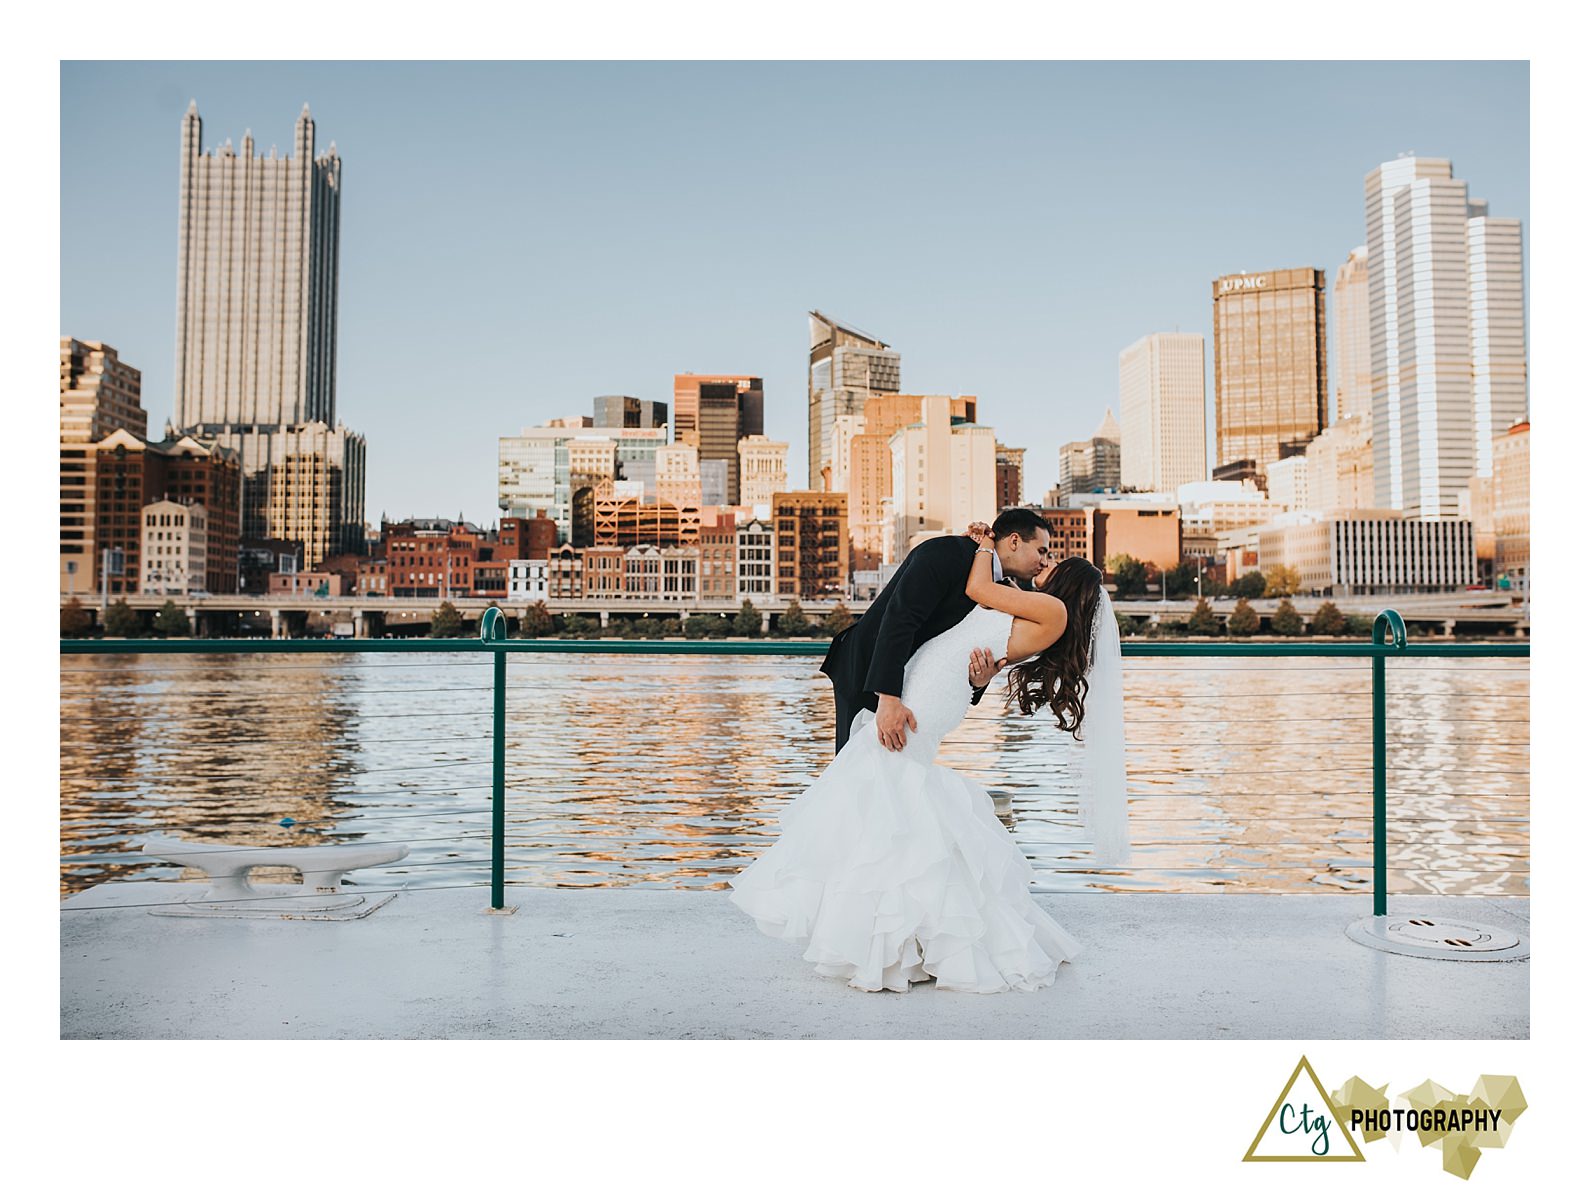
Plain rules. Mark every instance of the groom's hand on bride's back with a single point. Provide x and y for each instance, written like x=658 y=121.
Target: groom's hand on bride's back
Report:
x=893 y=717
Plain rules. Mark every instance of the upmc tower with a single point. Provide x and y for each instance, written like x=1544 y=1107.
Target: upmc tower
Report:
x=1270 y=395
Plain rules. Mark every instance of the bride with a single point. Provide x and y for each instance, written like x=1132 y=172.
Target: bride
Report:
x=891 y=869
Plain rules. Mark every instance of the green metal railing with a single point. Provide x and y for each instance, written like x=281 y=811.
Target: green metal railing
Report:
x=1388 y=640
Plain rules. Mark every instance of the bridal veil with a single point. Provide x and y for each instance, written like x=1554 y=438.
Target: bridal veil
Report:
x=1103 y=797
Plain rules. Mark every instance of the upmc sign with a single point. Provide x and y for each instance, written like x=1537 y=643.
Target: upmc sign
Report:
x=1241 y=283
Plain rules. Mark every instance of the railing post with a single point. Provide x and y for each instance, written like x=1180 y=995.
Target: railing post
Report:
x=493 y=627
x=1388 y=622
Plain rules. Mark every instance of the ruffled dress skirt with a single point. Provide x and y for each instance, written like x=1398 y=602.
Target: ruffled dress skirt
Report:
x=890 y=870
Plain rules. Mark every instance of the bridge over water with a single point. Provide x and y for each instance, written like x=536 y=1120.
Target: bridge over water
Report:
x=1492 y=613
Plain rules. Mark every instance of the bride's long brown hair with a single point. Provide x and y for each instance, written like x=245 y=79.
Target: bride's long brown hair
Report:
x=1058 y=677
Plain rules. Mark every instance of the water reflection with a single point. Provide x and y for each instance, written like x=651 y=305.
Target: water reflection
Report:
x=670 y=771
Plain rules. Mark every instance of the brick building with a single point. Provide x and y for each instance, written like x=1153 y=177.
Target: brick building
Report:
x=1076 y=531
x=1148 y=535
x=99 y=395
x=525 y=537
x=566 y=574
x=131 y=473
x=718 y=573
x=1008 y=483
x=812 y=545
x=434 y=557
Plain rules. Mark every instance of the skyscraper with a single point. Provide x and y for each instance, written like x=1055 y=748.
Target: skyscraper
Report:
x=1093 y=465
x=1434 y=369
x=869 y=484
x=1354 y=391
x=256 y=359
x=256 y=282
x=1162 y=412
x=845 y=366
x=1446 y=333
x=1008 y=481
x=1380 y=189
x=869 y=472
x=99 y=395
x=942 y=473
x=712 y=413
x=1496 y=330
x=1269 y=338
x=846 y=430
x=629 y=412
x=305 y=483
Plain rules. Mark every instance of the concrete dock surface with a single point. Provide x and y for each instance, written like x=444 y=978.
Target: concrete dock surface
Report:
x=640 y=963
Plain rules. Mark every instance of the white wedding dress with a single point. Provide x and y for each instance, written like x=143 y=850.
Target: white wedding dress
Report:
x=893 y=870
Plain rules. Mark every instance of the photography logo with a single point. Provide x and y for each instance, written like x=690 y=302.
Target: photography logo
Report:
x=1303 y=1125
x=1307 y=1124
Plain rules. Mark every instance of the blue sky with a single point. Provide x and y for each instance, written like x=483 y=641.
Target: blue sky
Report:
x=521 y=237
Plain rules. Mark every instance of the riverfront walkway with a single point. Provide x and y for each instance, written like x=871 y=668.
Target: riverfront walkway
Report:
x=637 y=963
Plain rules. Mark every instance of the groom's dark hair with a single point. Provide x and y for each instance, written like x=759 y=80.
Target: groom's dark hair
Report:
x=1023 y=521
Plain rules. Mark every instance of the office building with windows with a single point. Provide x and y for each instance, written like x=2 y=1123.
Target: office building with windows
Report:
x=1354 y=372
x=1162 y=412
x=99 y=395
x=1269 y=342
x=535 y=470
x=942 y=474
x=844 y=367
x=763 y=469
x=629 y=412
x=713 y=413
x=256 y=361
x=1093 y=465
x=1447 y=347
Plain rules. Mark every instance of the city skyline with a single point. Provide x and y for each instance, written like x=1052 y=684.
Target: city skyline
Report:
x=1041 y=281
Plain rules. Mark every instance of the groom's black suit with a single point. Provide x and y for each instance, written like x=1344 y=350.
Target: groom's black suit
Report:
x=926 y=596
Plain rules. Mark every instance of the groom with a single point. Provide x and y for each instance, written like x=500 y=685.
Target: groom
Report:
x=866 y=662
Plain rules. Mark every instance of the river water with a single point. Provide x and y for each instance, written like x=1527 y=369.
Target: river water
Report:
x=669 y=771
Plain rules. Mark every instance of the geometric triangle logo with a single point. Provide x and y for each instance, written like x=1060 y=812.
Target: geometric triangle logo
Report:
x=1303 y=1125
